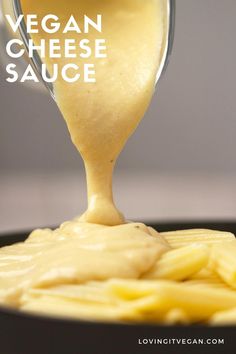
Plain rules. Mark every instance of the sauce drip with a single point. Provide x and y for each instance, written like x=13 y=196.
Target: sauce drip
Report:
x=100 y=117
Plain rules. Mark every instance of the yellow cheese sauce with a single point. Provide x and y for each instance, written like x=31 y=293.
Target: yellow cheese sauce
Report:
x=100 y=117
x=99 y=266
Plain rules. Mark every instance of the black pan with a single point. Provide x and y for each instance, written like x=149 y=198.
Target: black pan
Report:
x=22 y=333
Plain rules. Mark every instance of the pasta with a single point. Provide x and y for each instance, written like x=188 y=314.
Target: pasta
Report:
x=185 y=237
x=192 y=281
x=223 y=262
x=198 y=303
x=135 y=300
x=180 y=263
x=224 y=317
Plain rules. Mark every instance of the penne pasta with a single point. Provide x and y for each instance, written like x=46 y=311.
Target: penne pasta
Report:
x=199 y=303
x=224 y=318
x=84 y=292
x=204 y=283
x=176 y=316
x=183 y=238
x=223 y=262
x=61 y=307
x=204 y=274
x=181 y=263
